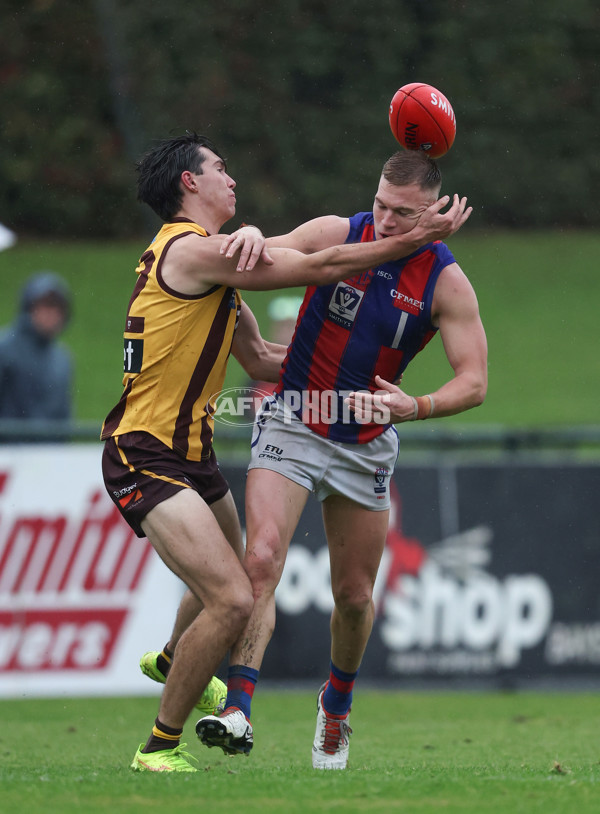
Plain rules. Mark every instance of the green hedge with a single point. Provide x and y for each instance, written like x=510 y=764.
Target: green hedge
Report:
x=296 y=93
x=538 y=295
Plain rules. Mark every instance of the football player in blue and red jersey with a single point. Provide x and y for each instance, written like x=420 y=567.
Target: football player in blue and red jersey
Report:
x=329 y=427
x=184 y=318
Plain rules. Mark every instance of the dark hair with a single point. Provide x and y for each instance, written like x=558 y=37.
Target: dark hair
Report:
x=412 y=167
x=159 y=171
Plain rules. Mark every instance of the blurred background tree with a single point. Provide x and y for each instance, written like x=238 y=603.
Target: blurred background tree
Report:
x=296 y=94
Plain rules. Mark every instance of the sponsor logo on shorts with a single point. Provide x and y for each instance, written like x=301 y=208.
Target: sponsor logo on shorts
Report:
x=271 y=453
x=126 y=490
x=380 y=477
x=128 y=501
x=127 y=496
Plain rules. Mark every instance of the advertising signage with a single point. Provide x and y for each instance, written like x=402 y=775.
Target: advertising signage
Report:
x=490 y=572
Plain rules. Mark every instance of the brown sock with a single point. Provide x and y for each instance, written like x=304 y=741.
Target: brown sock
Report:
x=162 y=737
x=164 y=660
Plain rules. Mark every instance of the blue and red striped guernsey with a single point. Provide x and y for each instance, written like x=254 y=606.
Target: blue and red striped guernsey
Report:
x=349 y=332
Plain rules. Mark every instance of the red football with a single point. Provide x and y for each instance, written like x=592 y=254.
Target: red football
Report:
x=422 y=118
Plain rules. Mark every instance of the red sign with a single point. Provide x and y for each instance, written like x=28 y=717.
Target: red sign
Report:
x=58 y=639
x=66 y=583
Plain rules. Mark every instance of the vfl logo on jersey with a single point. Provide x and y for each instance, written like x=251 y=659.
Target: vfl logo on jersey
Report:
x=133 y=355
x=344 y=304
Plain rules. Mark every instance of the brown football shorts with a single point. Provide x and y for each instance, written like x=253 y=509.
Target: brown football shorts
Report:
x=140 y=472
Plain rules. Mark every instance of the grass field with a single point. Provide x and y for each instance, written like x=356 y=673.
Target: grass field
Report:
x=538 y=295
x=510 y=753
x=411 y=752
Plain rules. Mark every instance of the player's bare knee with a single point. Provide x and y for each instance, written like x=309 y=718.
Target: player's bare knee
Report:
x=353 y=602
x=239 y=613
x=240 y=603
x=231 y=614
x=264 y=562
x=229 y=599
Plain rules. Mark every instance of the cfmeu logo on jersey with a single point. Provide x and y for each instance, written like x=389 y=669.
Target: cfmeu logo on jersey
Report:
x=67 y=579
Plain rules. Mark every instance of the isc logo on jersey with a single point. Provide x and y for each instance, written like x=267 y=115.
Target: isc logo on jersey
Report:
x=344 y=304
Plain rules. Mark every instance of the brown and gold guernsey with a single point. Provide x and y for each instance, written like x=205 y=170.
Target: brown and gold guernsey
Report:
x=175 y=355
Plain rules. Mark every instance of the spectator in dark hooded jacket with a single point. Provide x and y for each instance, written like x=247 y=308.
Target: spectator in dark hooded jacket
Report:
x=35 y=368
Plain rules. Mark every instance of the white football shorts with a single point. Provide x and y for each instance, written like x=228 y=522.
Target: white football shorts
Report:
x=360 y=472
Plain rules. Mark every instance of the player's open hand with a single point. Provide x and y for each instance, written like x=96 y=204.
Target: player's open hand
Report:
x=438 y=225
x=249 y=241
x=388 y=405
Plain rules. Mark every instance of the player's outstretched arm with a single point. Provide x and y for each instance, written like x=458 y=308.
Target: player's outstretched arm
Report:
x=312 y=236
x=331 y=230
x=194 y=264
x=250 y=242
x=330 y=265
x=434 y=224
